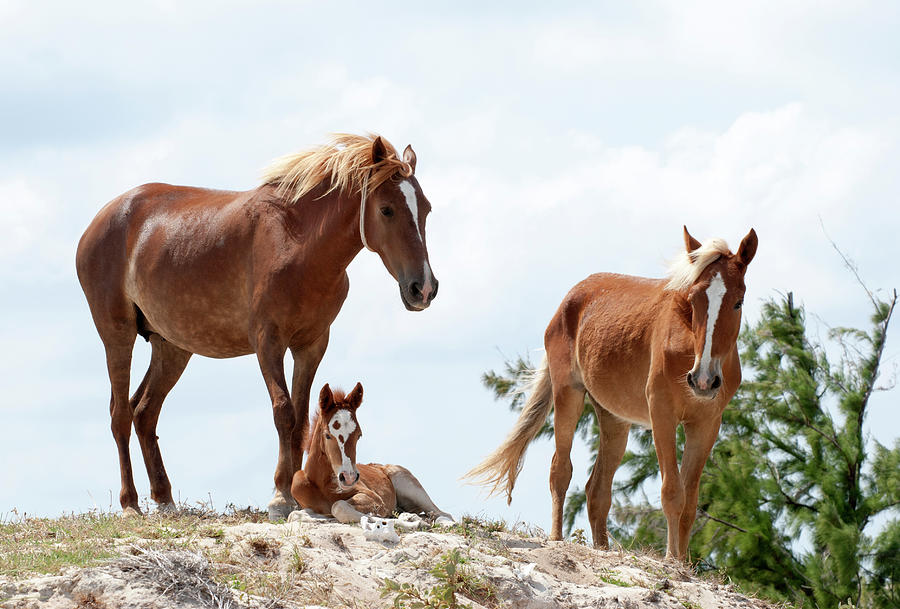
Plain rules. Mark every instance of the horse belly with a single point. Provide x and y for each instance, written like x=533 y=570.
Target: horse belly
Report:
x=191 y=290
x=614 y=368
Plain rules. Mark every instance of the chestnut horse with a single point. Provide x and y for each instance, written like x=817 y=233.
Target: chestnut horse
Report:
x=653 y=352
x=332 y=483
x=224 y=274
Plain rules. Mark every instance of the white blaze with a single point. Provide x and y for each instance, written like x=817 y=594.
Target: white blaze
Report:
x=409 y=192
x=345 y=427
x=714 y=294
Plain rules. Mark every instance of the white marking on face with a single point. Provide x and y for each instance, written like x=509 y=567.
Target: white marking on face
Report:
x=714 y=294
x=346 y=426
x=409 y=193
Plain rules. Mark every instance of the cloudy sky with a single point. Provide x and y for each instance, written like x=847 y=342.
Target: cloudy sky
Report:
x=552 y=142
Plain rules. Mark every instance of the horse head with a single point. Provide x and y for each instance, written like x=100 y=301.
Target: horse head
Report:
x=340 y=431
x=392 y=223
x=716 y=296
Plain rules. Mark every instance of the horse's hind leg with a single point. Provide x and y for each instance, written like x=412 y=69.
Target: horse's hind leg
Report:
x=568 y=404
x=411 y=495
x=167 y=362
x=611 y=447
x=118 y=363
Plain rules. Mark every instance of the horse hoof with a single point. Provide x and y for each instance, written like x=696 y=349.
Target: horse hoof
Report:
x=280 y=507
x=408 y=521
x=131 y=512
x=166 y=508
x=444 y=521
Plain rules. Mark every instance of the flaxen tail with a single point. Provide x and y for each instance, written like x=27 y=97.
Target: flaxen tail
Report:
x=502 y=466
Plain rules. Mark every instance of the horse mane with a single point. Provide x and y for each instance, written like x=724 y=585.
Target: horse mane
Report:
x=339 y=396
x=687 y=267
x=344 y=162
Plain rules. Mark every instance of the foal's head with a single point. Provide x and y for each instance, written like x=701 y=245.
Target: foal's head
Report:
x=393 y=224
x=337 y=432
x=713 y=281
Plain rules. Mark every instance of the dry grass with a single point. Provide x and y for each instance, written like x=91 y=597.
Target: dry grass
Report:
x=31 y=546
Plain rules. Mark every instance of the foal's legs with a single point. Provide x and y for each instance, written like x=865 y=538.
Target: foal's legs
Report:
x=611 y=446
x=306 y=362
x=167 y=362
x=568 y=404
x=411 y=495
x=360 y=504
x=699 y=437
x=663 y=423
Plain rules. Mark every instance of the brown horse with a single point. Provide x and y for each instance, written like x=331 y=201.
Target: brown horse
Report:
x=332 y=483
x=653 y=352
x=224 y=274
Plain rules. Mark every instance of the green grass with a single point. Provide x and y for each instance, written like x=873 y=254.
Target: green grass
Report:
x=611 y=577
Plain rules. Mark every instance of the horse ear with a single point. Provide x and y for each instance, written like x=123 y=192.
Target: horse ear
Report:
x=747 y=250
x=689 y=242
x=356 y=396
x=409 y=156
x=326 y=398
x=379 y=150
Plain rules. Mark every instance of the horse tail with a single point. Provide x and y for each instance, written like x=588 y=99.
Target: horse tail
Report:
x=502 y=466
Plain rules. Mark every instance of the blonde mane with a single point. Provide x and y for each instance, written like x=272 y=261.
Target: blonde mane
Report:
x=686 y=268
x=344 y=162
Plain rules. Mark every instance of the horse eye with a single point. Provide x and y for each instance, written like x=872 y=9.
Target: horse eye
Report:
x=387 y=211
x=328 y=436
x=738 y=304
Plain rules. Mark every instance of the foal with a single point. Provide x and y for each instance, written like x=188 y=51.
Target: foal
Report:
x=332 y=483
x=655 y=352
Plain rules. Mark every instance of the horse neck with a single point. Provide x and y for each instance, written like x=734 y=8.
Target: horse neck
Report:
x=676 y=314
x=326 y=225
x=317 y=468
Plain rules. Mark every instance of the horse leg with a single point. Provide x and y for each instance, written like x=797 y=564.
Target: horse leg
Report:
x=611 y=447
x=361 y=503
x=118 y=364
x=344 y=512
x=306 y=362
x=699 y=437
x=271 y=363
x=167 y=362
x=411 y=495
x=663 y=424
x=568 y=404
x=308 y=496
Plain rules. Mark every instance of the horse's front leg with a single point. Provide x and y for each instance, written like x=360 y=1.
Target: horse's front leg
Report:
x=699 y=437
x=360 y=504
x=306 y=362
x=270 y=354
x=663 y=424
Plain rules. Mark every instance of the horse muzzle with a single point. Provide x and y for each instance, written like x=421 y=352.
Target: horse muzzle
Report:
x=348 y=480
x=704 y=385
x=418 y=293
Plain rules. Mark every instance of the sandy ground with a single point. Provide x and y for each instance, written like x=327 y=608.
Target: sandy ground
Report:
x=333 y=565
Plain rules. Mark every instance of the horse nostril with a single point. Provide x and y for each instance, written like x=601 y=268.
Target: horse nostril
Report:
x=416 y=290
x=690 y=380
x=717 y=382
x=342 y=478
x=434 y=291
